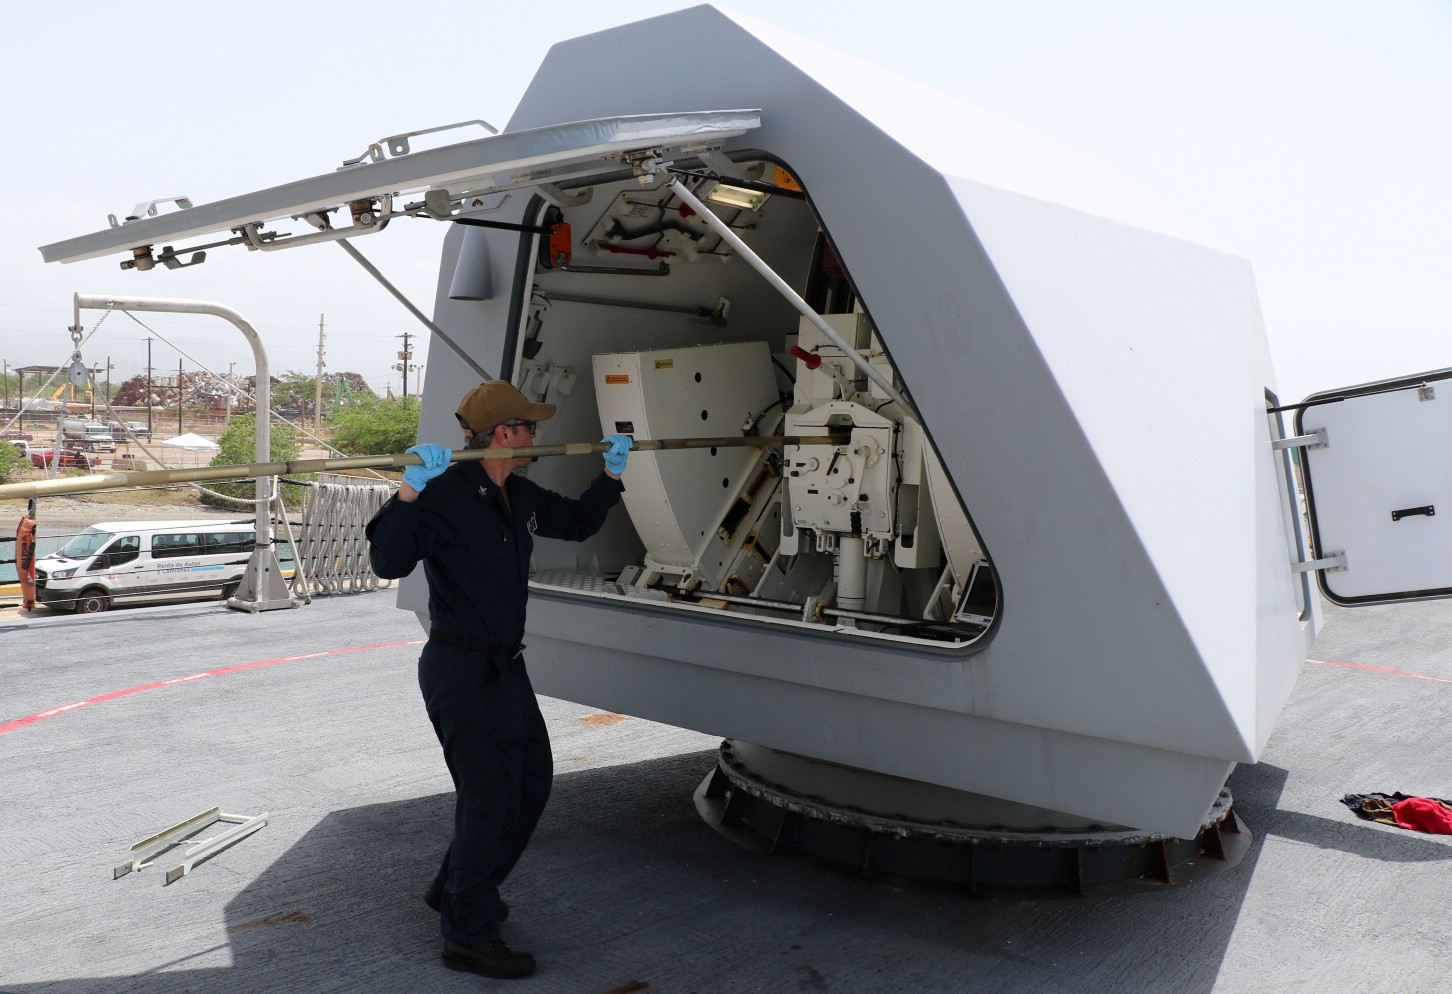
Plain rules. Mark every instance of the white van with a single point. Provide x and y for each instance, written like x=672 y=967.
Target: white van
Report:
x=126 y=560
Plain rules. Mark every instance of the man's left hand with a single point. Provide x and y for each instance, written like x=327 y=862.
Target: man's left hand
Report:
x=620 y=446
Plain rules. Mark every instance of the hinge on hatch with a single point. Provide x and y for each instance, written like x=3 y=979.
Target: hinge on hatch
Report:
x=1334 y=563
x=1315 y=440
x=649 y=166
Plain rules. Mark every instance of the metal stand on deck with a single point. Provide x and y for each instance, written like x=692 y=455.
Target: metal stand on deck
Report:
x=145 y=850
x=263 y=587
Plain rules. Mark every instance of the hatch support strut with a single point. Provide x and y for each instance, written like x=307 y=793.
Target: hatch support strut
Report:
x=782 y=287
x=438 y=332
x=320 y=220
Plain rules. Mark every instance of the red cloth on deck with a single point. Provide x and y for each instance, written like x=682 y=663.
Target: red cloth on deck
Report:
x=1425 y=814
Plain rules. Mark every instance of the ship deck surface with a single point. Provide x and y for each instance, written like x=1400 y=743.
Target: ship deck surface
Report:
x=624 y=885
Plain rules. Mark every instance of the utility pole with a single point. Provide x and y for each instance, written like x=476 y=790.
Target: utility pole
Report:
x=149 y=425
x=109 y=367
x=178 y=396
x=404 y=358
x=318 y=398
x=230 y=367
x=7 y=382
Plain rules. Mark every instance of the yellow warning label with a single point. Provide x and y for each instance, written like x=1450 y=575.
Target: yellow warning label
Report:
x=617 y=378
x=665 y=363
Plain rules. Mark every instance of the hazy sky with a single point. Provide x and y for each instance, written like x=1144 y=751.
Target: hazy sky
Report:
x=1312 y=138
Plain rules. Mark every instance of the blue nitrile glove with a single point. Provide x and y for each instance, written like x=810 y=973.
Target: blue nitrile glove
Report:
x=435 y=461
x=620 y=446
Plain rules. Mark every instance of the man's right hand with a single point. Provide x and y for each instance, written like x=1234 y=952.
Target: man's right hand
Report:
x=435 y=461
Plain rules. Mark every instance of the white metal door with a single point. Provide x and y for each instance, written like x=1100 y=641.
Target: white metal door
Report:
x=1378 y=486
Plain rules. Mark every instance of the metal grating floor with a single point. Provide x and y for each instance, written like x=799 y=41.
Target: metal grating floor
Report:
x=571 y=579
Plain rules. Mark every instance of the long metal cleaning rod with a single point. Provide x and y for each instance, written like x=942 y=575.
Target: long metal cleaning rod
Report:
x=398 y=460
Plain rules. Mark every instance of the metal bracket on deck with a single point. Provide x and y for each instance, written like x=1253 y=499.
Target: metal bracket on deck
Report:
x=145 y=851
x=1331 y=564
x=1315 y=440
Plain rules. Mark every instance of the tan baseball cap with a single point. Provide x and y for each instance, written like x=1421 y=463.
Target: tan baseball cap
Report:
x=496 y=402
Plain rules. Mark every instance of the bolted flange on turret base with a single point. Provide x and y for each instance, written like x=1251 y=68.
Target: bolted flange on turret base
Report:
x=775 y=802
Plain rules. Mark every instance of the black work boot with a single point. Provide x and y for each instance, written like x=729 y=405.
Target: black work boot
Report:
x=492 y=958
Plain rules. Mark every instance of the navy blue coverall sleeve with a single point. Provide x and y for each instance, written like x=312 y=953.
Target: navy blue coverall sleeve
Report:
x=575 y=520
x=402 y=533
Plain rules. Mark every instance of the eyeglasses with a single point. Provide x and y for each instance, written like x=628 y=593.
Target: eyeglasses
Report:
x=529 y=426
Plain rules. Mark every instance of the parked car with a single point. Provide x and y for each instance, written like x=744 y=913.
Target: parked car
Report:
x=68 y=458
x=16 y=433
x=138 y=429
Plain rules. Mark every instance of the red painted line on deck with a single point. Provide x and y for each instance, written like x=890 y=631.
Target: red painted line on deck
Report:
x=10 y=726
x=1349 y=666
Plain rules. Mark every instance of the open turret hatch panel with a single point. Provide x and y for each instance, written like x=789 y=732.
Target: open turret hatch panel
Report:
x=480 y=167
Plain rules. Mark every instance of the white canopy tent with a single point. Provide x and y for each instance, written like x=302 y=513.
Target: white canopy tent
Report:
x=193 y=443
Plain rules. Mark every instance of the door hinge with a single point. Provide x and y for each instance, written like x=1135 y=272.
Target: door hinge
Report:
x=1315 y=440
x=1333 y=563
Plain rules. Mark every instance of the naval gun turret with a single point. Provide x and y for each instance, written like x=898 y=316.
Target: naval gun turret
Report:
x=1045 y=573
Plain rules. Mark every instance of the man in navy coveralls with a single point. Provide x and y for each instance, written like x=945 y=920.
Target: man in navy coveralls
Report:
x=473 y=526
